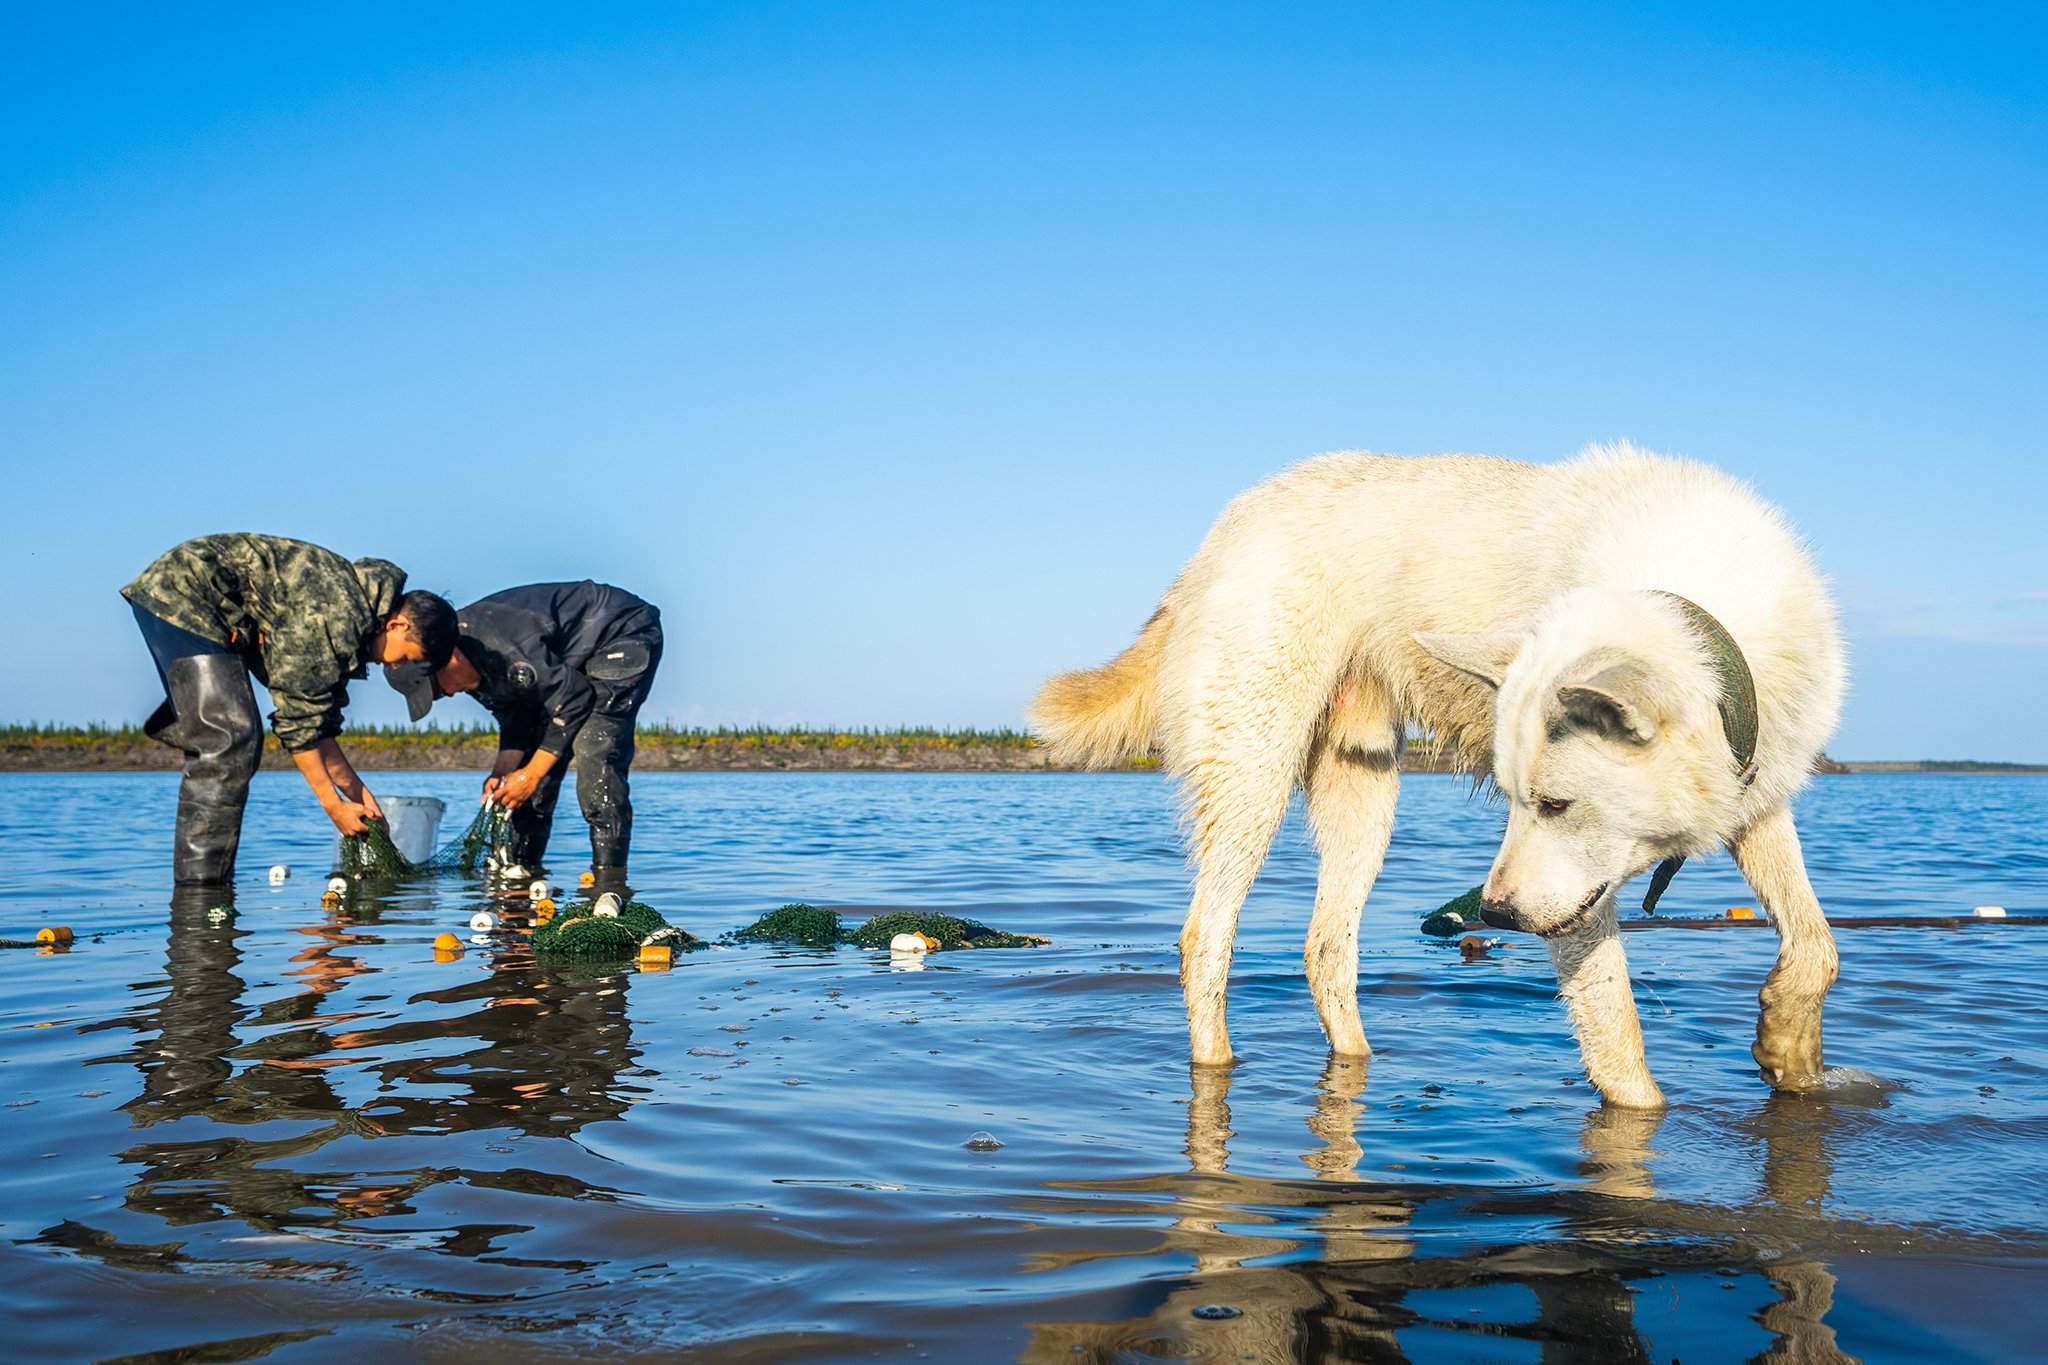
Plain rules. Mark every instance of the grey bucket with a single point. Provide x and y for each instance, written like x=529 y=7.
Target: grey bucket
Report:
x=415 y=823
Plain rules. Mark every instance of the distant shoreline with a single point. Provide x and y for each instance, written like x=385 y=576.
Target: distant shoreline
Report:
x=664 y=749
x=1955 y=767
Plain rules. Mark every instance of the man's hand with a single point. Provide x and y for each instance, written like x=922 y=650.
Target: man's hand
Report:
x=491 y=785
x=515 y=788
x=350 y=817
x=341 y=793
x=518 y=785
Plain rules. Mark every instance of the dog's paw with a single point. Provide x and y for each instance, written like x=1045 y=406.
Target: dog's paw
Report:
x=1643 y=1095
x=1788 y=1055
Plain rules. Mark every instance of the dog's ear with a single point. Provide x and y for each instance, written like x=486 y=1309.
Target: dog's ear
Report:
x=1485 y=657
x=1621 y=698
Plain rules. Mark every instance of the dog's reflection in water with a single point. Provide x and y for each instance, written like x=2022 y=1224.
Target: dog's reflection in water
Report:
x=1335 y=1267
x=1224 y=1224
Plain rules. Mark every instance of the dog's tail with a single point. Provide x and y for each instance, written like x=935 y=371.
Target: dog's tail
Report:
x=1098 y=716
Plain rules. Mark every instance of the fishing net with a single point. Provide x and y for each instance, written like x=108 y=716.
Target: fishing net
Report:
x=372 y=854
x=489 y=835
x=578 y=931
x=807 y=924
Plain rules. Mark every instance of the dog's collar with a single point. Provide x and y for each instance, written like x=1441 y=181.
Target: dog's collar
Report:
x=1738 y=688
x=1738 y=716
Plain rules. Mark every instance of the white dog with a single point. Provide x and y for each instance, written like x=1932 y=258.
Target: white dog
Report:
x=1636 y=649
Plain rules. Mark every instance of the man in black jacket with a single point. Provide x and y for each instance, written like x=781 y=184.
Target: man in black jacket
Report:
x=564 y=668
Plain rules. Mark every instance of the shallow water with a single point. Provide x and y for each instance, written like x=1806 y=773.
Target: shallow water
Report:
x=299 y=1137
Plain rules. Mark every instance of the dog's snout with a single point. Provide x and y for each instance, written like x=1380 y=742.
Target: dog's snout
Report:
x=1500 y=913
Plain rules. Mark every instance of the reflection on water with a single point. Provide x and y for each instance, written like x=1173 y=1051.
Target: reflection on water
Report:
x=1281 y=1270
x=550 y=1045
x=268 y=1129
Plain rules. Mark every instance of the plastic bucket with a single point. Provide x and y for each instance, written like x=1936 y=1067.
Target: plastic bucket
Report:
x=415 y=823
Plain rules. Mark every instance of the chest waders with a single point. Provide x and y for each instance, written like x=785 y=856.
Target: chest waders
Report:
x=602 y=754
x=208 y=714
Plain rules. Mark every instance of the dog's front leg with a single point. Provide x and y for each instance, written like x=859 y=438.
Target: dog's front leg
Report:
x=1788 y=1048
x=1592 y=976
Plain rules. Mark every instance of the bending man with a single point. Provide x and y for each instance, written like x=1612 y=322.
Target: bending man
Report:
x=564 y=668
x=219 y=610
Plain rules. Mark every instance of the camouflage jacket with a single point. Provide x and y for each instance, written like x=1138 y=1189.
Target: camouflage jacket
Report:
x=299 y=615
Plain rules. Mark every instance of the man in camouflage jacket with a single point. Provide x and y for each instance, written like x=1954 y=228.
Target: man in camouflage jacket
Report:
x=219 y=610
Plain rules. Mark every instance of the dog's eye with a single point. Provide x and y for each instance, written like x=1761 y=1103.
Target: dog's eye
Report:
x=1550 y=805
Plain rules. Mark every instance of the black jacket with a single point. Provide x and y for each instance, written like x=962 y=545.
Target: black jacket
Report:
x=534 y=647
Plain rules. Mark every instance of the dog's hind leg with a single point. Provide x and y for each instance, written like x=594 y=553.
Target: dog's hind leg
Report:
x=1352 y=786
x=1235 y=811
x=1788 y=1046
x=1592 y=976
x=1249 y=674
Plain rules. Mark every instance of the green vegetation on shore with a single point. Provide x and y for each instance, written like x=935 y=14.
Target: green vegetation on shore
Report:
x=62 y=748
x=392 y=747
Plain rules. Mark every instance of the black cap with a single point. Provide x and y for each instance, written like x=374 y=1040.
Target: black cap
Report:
x=414 y=682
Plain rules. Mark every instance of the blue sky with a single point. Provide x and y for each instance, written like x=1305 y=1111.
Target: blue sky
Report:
x=902 y=353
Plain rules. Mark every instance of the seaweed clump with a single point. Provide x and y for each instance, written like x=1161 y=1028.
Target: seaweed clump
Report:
x=372 y=854
x=808 y=925
x=577 y=931
x=794 y=923
x=950 y=930
x=1455 y=917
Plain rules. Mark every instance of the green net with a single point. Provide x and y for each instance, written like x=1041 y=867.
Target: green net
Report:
x=1455 y=917
x=490 y=833
x=372 y=854
x=577 y=931
x=808 y=925
x=795 y=923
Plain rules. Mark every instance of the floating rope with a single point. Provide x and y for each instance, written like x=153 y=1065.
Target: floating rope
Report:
x=1849 y=922
x=1462 y=916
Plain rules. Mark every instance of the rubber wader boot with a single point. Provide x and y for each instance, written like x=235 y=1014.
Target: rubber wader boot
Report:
x=604 y=749
x=217 y=727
